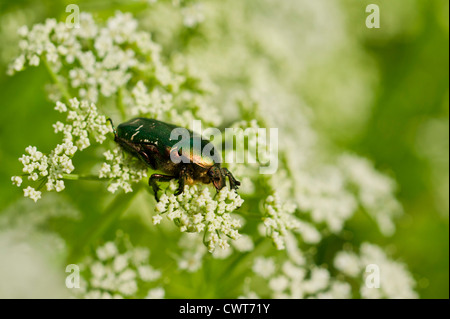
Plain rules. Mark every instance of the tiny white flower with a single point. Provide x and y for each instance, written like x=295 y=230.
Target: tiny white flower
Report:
x=264 y=267
x=60 y=107
x=244 y=243
x=107 y=251
x=32 y=193
x=59 y=185
x=19 y=63
x=147 y=273
x=128 y=288
x=156 y=219
x=279 y=283
x=23 y=31
x=16 y=180
x=156 y=293
x=34 y=61
x=120 y=263
x=348 y=263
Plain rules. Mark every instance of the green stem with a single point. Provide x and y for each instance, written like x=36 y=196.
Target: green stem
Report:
x=250 y=215
x=123 y=5
x=61 y=86
x=120 y=105
x=238 y=268
x=110 y=215
x=243 y=258
x=76 y=177
x=44 y=180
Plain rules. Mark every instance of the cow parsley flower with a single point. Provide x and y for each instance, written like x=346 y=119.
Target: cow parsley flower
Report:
x=82 y=124
x=322 y=193
x=395 y=280
x=156 y=293
x=192 y=15
x=348 y=263
x=121 y=171
x=118 y=270
x=243 y=244
x=151 y=105
x=192 y=252
x=336 y=290
x=32 y=193
x=16 y=180
x=195 y=210
x=83 y=121
x=265 y=267
x=98 y=61
x=279 y=219
x=278 y=283
x=374 y=190
x=289 y=279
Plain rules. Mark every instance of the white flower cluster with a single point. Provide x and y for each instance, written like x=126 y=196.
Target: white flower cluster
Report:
x=122 y=171
x=375 y=191
x=195 y=210
x=61 y=44
x=119 y=272
x=248 y=132
x=193 y=251
x=99 y=60
x=190 y=105
x=83 y=123
x=49 y=168
x=265 y=267
x=279 y=219
x=151 y=105
x=248 y=141
x=395 y=281
x=327 y=193
x=192 y=15
x=323 y=194
x=291 y=280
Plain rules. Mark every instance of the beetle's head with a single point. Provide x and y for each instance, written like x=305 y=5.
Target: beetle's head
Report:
x=217 y=177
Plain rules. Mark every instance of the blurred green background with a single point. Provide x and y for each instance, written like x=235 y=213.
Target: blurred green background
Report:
x=406 y=132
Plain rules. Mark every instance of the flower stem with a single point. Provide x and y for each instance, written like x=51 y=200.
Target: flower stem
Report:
x=61 y=86
x=76 y=177
x=110 y=215
x=240 y=262
x=120 y=105
x=250 y=215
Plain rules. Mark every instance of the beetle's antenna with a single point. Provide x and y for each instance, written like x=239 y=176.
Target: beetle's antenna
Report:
x=112 y=124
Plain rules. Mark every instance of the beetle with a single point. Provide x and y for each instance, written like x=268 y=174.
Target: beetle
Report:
x=150 y=141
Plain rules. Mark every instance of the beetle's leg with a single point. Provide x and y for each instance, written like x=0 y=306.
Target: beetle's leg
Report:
x=181 y=181
x=233 y=182
x=148 y=152
x=180 y=186
x=161 y=178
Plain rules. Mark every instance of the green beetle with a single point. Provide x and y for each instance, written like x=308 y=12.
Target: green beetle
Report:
x=150 y=140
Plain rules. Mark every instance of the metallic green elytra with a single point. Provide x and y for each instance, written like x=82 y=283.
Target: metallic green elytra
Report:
x=150 y=141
